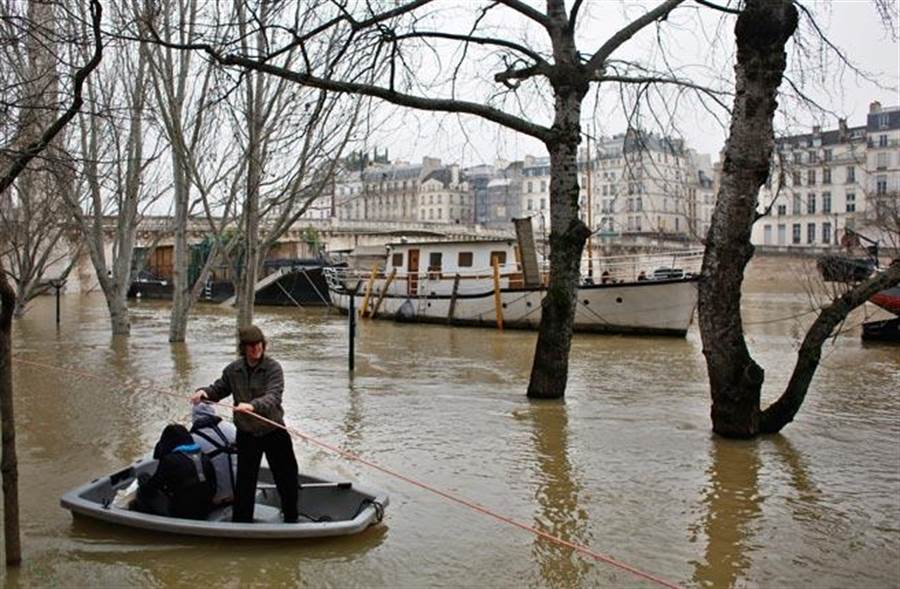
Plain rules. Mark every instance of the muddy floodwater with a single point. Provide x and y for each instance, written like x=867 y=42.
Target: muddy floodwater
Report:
x=626 y=466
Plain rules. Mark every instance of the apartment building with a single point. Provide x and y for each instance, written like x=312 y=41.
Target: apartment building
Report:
x=444 y=197
x=639 y=183
x=828 y=182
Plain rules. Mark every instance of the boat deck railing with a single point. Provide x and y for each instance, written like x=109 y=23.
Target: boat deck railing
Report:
x=606 y=270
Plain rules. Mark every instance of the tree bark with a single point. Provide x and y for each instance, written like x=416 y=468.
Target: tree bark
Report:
x=550 y=368
x=762 y=30
x=782 y=412
x=9 y=463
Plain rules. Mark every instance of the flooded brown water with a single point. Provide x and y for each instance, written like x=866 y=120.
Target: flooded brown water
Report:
x=626 y=465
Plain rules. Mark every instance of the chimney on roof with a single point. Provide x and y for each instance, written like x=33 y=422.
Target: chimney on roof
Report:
x=874 y=106
x=817 y=130
x=842 y=128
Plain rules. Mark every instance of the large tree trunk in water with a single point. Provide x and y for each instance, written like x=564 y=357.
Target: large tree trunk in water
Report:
x=550 y=370
x=9 y=464
x=782 y=412
x=762 y=30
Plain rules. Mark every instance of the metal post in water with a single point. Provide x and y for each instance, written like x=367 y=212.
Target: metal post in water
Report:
x=351 y=318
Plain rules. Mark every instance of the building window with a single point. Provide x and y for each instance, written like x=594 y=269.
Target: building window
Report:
x=530 y=186
x=882 y=141
x=530 y=204
x=826 y=232
x=464 y=260
x=782 y=234
x=782 y=210
x=881 y=185
x=796 y=208
x=826 y=176
x=397 y=260
x=812 y=157
x=795 y=237
x=543 y=204
x=851 y=174
x=796 y=179
x=499 y=256
x=826 y=202
x=767 y=234
x=882 y=161
x=810 y=233
x=798 y=157
x=811 y=203
x=827 y=155
x=639 y=205
x=543 y=186
x=811 y=177
x=851 y=202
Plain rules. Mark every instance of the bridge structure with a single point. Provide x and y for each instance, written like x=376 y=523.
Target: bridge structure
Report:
x=333 y=234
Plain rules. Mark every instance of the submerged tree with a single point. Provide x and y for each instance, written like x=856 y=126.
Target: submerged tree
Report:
x=378 y=53
x=19 y=158
x=114 y=179
x=762 y=31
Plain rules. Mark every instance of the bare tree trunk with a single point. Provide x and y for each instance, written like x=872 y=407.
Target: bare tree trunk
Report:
x=550 y=369
x=181 y=287
x=782 y=412
x=255 y=123
x=9 y=465
x=762 y=30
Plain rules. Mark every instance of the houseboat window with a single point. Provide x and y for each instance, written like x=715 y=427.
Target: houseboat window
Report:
x=397 y=260
x=499 y=256
x=465 y=260
x=434 y=261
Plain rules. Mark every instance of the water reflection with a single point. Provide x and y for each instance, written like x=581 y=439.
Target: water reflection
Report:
x=352 y=422
x=558 y=488
x=150 y=558
x=734 y=503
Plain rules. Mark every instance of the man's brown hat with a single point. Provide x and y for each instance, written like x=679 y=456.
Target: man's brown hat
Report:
x=250 y=335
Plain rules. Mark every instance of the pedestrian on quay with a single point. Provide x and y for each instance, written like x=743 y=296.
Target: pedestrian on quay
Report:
x=256 y=383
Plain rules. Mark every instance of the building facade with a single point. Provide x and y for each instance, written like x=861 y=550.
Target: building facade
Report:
x=826 y=183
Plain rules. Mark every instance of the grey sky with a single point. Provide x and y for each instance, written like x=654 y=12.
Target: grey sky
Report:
x=852 y=25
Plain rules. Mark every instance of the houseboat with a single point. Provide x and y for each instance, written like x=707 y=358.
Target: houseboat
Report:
x=492 y=283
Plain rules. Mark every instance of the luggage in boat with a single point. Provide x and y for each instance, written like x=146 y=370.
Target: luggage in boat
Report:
x=326 y=508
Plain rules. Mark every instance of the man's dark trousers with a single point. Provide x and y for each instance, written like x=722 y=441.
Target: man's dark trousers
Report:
x=279 y=453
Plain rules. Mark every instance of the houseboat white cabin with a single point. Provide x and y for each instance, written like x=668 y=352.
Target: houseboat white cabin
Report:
x=486 y=283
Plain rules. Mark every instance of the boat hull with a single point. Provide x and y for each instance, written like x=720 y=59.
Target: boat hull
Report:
x=348 y=508
x=888 y=299
x=651 y=307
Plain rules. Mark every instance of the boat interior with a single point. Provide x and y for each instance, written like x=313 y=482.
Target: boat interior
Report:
x=319 y=500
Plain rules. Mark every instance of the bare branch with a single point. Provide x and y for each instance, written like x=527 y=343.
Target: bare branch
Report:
x=596 y=62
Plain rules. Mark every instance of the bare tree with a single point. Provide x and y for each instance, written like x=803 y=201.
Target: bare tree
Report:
x=386 y=46
x=21 y=158
x=116 y=181
x=183 y=95
x=762 y=31
x=33 y=220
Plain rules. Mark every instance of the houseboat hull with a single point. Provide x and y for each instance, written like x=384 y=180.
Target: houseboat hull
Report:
x=651 y=307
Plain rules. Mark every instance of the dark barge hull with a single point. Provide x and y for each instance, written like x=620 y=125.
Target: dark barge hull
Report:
x=882 y=331
x=303 y=286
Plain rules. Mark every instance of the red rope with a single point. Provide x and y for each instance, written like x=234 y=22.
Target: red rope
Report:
x=354 y=457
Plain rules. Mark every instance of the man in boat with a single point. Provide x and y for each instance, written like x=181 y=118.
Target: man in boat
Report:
x=217 y=440
x=256 y=383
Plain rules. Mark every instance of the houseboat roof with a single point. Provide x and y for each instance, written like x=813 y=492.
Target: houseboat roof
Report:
x=401 y=244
